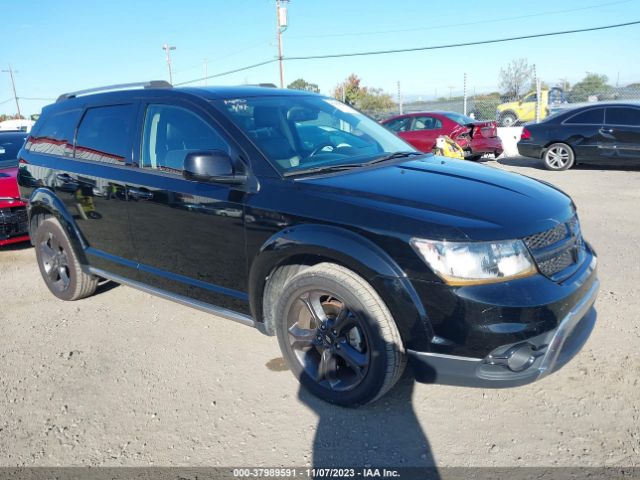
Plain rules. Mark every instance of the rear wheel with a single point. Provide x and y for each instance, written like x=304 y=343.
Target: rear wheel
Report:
x=59 y=264
x=558 y=156
x=337 y=335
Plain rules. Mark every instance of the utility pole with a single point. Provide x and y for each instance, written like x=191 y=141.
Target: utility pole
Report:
x=205 y=72
x=13 y=85
x=464 y=106
x=399 y=99
x=167 y=50
x=281 y=17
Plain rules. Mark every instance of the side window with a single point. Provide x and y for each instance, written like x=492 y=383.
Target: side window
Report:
x=623 y=116
x=426 y=123
x=55 y=135
x=588 y=117
x=399 y=124
x=530 y=98
x=171 y=132
x=104 y=134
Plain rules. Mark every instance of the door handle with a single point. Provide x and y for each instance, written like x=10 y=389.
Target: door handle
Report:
x=65 y=177
x=140 y=194
x=606 y=130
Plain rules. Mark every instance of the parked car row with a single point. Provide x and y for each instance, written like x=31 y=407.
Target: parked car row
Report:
x=298 y=215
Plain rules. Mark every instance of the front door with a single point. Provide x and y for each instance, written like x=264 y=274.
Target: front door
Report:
x=189 y=235
x=622 y=126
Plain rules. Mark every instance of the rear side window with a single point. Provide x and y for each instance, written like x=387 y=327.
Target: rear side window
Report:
x=55 y=135
x=623 y=116
x=426 y=123
x=171 y=132
x=104 y=134
x=595 y=116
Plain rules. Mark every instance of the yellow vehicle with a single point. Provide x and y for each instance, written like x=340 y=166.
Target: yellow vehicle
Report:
x=446 y=147
x=524 y=110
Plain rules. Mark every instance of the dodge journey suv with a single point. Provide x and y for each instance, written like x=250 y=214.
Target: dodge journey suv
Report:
x=296 y=214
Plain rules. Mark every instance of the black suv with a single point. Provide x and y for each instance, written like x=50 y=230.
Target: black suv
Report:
x=296 y=214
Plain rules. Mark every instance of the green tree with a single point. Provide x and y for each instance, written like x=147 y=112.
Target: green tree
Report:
x=301 y=84
x=593 y=84
x=371 y=100
x=516 y=78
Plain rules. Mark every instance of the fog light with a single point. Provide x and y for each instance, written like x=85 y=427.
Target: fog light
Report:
x=517 y=358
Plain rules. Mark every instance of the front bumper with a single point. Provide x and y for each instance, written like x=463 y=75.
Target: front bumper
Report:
x=517 y=363
x=14 y=225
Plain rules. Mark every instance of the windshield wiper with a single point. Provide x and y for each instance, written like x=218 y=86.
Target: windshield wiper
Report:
x=348 y=166
x=392 y=156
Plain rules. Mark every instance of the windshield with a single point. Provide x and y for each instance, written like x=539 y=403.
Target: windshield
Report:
x=459 y=118
x=9 y=147
x=299 y=133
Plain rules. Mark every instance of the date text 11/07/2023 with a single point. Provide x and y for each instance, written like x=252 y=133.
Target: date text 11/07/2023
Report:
x=315 y=473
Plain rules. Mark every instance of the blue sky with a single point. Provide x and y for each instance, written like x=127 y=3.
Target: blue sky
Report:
x=59 y=46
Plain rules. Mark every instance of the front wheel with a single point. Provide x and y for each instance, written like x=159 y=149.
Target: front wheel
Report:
x=508 y=119
x=558 y=156
x=337 y=336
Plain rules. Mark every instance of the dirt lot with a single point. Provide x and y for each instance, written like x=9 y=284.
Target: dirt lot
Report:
x=124 y=378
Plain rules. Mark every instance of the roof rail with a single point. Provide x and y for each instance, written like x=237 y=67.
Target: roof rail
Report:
x=122 y=86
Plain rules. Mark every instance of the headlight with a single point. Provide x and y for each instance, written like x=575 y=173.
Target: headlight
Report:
x=473 y=263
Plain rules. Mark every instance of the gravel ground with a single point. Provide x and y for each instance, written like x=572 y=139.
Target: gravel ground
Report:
x=124 y=378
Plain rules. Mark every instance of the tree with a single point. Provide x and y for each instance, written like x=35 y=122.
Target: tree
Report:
x=372 y=100
x=301 y=84
x=592 y=84
x=516 y=77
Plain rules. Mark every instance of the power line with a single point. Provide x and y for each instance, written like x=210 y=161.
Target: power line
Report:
x=415 y=49
x=465 y=44
x=478 y=22
x=255 y=65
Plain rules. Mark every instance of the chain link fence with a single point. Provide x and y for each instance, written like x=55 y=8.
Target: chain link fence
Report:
x=512 y=111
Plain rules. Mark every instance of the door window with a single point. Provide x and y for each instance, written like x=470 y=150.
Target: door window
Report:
x=104 y=134
x=426 y=123
x=171 y=132
x=593 y=116
x=623 y=116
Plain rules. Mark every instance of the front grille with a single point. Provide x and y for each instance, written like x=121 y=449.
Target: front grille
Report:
x=558 y=249
x=13 y=221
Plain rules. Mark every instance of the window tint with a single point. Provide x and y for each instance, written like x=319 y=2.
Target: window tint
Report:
x=623 y=116
x=104 y=134
x=399 y=124
x=55 y=135
x=171 y=132
x=592 y=116
x=426 y=123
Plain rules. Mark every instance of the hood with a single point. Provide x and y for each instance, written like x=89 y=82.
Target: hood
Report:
x=8 y=182
x=436 y=194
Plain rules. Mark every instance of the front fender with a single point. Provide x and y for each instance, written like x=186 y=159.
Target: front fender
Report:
x=347 y=248
x=45 y=201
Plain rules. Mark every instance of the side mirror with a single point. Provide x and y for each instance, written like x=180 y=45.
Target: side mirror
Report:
x=213 y=166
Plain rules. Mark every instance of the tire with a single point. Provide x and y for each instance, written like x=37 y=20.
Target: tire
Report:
x=508 y=119
x=349 y=352
x=59 y=264
x=558 y=156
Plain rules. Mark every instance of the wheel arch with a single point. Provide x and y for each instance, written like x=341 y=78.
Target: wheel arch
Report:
x=289 y=251
x=44 y=202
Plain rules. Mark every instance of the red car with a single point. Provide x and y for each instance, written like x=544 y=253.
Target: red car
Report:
x=13 y=212
x=421 y=130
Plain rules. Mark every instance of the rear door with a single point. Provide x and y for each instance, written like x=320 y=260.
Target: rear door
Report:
x=622 y=126
x=189 y=236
